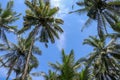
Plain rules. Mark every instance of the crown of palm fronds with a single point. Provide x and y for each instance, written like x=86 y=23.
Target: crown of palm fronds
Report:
x=104 y=61
x=16 y=56
x=7 y=16
x=67 y=69
x=105 y=12
x=41 y=16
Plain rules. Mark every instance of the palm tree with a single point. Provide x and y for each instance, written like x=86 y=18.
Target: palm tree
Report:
x=15 y=58
x=67 y=70
x=41 y=16
x=103 y=11
x=7 y=16
x=45 y=27
x=104 y=61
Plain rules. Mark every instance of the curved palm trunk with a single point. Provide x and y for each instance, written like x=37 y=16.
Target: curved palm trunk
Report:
x=27 y=62
x=35 y=31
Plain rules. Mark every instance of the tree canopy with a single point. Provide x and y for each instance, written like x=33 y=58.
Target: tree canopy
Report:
x=21 y=56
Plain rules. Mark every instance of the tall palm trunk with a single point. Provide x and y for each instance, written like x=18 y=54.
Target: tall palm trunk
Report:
x=27 y=62
x=29 y=54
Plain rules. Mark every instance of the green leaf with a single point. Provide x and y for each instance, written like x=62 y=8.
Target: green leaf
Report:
x=59 y=21
x=53 y=11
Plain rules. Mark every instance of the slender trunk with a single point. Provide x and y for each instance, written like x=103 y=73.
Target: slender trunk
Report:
x=35 y=31
x=27 y=62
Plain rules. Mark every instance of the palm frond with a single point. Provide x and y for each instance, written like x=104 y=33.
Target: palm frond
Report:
x=79 y=11
x=87 y=23
x=53 y=11
x=36 y=50
x=80 y=3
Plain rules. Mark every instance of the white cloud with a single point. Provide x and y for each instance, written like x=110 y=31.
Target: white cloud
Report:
x=63 y=10
x=61 y=42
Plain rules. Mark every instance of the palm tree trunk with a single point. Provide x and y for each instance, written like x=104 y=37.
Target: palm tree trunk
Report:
x=35 y=31
x=27 y=62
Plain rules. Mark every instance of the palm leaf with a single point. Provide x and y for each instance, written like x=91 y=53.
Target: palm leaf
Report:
x=87 y=23
x=53 y=11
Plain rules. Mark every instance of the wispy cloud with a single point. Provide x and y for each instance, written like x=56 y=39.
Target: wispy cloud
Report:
x=61 y=41
x=61 y=4
x=63 y=10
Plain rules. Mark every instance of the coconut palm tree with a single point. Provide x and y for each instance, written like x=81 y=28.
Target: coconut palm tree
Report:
x=41 y=16
x=105 y=12
x=15 y=57
x=7 y=16
x=45 y=27
x=104 y=61
x=67 y=70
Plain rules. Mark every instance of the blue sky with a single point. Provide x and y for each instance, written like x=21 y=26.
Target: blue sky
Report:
x=72 y=37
